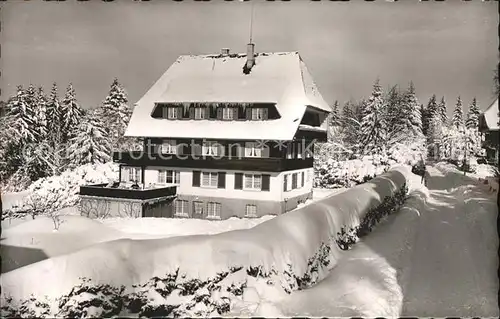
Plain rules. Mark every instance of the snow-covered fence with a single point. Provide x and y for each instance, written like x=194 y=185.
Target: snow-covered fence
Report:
x=292 y=251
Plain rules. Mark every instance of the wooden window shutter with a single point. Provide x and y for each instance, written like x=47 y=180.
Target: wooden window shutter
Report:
x=180 y=112
x=219 y=113
x=196 y=178
x=238 y=180
x=234 y=149
x=285 y=183
x=191 y=113
x=302 y=179
x=266 y=179
x=222 y=180
x=265 y=113
x=235 y=113
x=248 y=113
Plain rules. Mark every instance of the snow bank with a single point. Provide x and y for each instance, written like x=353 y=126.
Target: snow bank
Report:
x=285 y=247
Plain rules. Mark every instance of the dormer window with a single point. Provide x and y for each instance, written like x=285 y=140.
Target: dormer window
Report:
x=200 y=113
x=228 y=113
x=171 y=112
x=258 y=114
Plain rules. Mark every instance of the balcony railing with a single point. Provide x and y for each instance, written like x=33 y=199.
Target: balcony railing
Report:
x=100 y=190
x=259 y=164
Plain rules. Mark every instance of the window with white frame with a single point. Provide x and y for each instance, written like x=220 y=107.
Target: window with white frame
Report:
x=253 y=181
x=134 y=174
x=199 y=113
x=169 y=147
x=213 y=210
x=168 y=177
x=258 y=113
x=299 y=149
x=171 y=113
x=251 y=210
x=253 y=149
x=211 y=148
x=209 y=179
x=228 y=113
x=181 y=208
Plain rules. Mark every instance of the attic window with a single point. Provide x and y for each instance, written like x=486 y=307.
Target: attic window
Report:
x=199 y=113
x=171 y=113
x=259 y=113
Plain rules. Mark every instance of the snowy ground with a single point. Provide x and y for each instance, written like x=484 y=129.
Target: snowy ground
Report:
x=436 y=257
x=25 y=241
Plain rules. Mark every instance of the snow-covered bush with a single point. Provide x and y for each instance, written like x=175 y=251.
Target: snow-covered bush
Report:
x=89 y=300
x=347 y=237
x=28 y=308
x=66 y=186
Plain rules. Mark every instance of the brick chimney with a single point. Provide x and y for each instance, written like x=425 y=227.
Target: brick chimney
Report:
x=250 y=56
x=224 y=52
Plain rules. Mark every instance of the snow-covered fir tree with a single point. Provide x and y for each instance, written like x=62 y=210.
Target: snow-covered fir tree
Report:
x=435 y=137
x=54 y=113
x=90 y=142
x=441 y=110
x=335 y=117
x=394 y=103
x=432 y=106
x=473 y=113
x=117 y=113
x=412 y=112
x=373 y=127
x=21 y=118
x=457 y=119
x=71 y=113
x=41 y=114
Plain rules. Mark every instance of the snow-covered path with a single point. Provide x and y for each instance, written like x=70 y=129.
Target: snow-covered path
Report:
x=436 y=257
x=454 y=263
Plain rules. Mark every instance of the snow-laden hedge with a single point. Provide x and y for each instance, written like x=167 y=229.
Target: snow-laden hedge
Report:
x=209 y=274
x=65 y=187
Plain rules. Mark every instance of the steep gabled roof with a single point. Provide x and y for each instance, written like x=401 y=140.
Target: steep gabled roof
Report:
x=280 y=78
x=490 y=117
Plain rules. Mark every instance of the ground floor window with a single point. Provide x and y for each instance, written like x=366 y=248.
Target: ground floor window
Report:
x=181 y=208
x=213 y=210
x=198 y=208
x=251 y=210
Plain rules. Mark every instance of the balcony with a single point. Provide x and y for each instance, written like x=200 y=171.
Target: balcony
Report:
x=101 y=190
x=270 y=164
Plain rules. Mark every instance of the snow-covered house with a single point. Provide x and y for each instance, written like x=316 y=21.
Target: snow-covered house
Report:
x=488 y=124
x=233 y=132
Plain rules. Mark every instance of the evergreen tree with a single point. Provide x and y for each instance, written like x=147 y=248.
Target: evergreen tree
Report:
x=335 y=117
x=347 y=115
x=457 y=120
x=41 y=115
x=90 y=142
x=432 y=107
x=71 y=113
x=473 y=114
x=441 y=110
x=21 y=118
x=412 y=112
x=54 y=114
x=393 y=106
x=117 y=113
x=373 y=127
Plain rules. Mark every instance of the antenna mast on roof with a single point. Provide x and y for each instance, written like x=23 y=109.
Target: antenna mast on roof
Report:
x=251 y=23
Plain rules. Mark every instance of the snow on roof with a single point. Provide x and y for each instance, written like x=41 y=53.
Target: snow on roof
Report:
x=491 y=116
x=280 y=78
